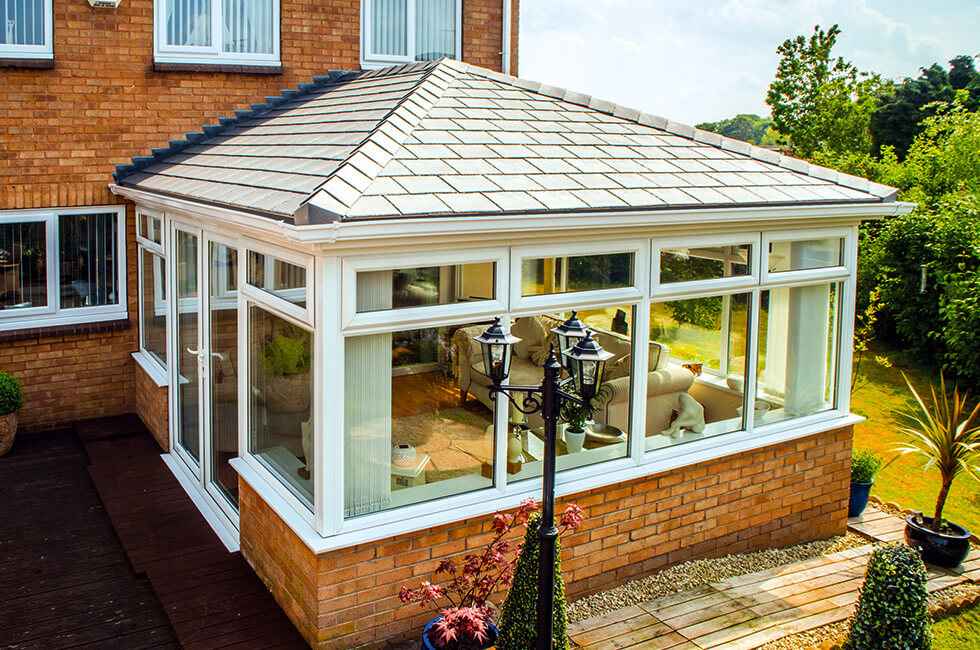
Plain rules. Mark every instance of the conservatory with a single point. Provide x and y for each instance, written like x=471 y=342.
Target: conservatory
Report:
x=312 y=274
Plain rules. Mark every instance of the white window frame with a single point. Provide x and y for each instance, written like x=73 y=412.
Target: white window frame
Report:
x=274 y=302
x=52 y=314
x=43 y=51
x=829 y=273
x=213 y=54
x=371 y=59
x=700 y=287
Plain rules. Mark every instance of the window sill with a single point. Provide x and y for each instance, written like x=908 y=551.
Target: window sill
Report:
x=27 y=63
x=271 y=69
x=151 y=368
x=36 y=328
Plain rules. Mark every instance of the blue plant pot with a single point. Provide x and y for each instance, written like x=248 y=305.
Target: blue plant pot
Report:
x=492 y=632
x=859 y=498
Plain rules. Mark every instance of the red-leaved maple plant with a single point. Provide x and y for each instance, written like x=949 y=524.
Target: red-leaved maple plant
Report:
x=463 y=596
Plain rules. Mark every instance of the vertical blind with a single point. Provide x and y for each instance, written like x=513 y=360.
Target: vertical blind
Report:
x=87 y=256
x=247 y=26
x=435 y=29
x=23 y=265
x=189 y=23
x=389 y=27
x=23 y=22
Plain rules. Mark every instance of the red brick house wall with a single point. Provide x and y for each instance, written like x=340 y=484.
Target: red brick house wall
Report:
x=770 y=497
x=62 y=131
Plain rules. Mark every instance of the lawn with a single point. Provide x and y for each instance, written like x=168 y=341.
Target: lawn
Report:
x=881 y=392
x=957 y=632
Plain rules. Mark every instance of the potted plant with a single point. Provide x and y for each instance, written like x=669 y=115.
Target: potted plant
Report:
x=578 y=418
x=286 y=358
x=865 y=465
x=11 y=399
x=946 y=433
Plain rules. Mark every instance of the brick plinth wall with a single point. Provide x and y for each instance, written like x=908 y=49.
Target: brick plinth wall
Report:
x=771 y=497
x=150 y=403
x=65 y=126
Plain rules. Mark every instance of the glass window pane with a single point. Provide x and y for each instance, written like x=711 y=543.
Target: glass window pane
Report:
x=188 y=23
x=187 y=343
x=584 y=438
x=807 y=254
x=424 y=286
x=22 y=22
x=150 y=228
x=435 y=29
x=223 y=342
x=410 y=437
x=550 y=275
x=705 y=263
x=389 y=27
x=280 y=390
x=23 y=265
x=87 y=255
x=798 y=333
x=282 y=279
x=153 y=296
x=248 y=26
x=696 y=387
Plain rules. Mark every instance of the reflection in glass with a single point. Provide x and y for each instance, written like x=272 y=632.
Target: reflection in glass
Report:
x=87 y=259
x=223 y=270
x=550 y=275
x=424 y=286
x=153 y=294
x=188 y=344
x=700 y=380
x=705 y=263
x=151 y=228
x=803 y=255
x=798 y=333
x=23 y=265
x=280 y=410
x=282 y=279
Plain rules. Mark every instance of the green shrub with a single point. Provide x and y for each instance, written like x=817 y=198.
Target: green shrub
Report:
x=11 y=396
x=864 y=466
x=892 y=611
x=518 y=623
x=286 y=355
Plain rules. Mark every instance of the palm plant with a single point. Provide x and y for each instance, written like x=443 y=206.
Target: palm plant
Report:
x=946 y=433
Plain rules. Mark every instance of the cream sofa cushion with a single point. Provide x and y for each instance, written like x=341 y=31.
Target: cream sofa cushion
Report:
x=533 y=336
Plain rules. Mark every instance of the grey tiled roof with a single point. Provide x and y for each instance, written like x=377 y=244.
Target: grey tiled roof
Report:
x=447 y=138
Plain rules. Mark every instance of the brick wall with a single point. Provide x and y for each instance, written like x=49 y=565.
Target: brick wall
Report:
x=150 y=404
x=775 y=496
x=63 y=130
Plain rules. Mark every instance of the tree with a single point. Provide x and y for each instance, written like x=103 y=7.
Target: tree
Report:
x=746 y=127
x=818 y=102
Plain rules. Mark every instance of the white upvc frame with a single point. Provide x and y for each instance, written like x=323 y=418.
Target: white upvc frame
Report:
x=521 y=304
x=372 y=59
x=43 y=51
x=828 y=273
x=52 y=313
x=257 y=294
x=698 y=287
x=213 y=54
x=145 y=215
x=376 y=321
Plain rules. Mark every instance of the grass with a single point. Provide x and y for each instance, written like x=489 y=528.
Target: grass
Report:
x=960 y=631
x=881 y=393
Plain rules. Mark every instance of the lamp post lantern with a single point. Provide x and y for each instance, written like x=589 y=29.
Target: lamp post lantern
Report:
x=585 y=360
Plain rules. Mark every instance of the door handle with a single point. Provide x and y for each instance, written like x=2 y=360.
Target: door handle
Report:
x=196 y=353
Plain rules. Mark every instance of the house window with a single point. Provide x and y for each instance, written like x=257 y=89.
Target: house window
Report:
x=26 y=29
x=153 y=306
x=239 y=32
x=424 y=286
x=401 y=31
x=61 y=268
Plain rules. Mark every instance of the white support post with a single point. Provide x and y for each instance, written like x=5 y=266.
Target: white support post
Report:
x=329 y=436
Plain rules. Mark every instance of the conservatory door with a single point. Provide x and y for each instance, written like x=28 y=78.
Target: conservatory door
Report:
x=187 y=371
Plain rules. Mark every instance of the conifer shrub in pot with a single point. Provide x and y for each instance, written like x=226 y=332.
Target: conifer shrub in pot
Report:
x=865 y=465
x=945 y=432
x=11 y=399
x=893 y=608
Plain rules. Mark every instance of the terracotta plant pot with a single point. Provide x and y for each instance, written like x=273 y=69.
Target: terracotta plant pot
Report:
x=947 y=550
x=8 y=430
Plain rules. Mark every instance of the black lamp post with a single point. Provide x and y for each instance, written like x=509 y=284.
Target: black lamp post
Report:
x=585 y=360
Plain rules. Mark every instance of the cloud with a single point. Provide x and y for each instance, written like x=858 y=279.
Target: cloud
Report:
x=696 y=60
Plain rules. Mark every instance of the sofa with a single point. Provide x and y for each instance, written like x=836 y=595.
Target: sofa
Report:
x=665 y=382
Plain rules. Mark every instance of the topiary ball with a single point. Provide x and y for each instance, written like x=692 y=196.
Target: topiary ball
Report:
x=11 y=396
x=892 y=611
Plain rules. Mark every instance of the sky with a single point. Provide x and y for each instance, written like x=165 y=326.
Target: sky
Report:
x=704 y=60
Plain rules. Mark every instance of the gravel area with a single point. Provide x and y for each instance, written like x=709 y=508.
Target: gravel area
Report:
x=699 y=572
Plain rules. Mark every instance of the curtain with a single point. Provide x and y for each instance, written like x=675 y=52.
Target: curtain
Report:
x=22 y=22
x=87 y=253
x=247 y=26
x=389 y=27
x=189 y=22
x=367 y=406
x=435 y=29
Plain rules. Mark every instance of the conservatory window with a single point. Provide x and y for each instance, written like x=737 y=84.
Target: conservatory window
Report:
x=556 y=275
x=26 y=29
x=60 y=268
x=410 y=30
x=243 y=32
x=278 y=277
x=803 y=255
x=153 y=306
x=694 y=263
x=424 y=286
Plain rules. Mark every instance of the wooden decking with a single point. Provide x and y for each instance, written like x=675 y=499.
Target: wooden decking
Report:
x=750 y=610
